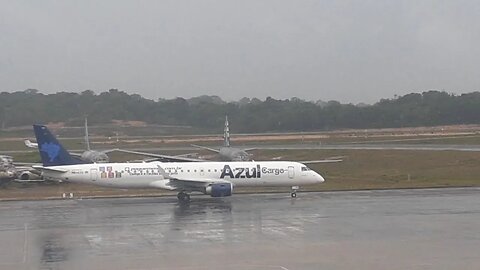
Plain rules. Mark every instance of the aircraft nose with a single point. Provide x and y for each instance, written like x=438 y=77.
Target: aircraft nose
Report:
x=320 y=179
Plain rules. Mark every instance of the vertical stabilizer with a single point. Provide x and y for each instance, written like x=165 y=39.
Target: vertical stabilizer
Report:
x=226 y=133
x=87 y=139
x=51 y=151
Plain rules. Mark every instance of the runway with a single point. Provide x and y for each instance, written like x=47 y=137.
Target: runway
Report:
x=346 y=146
x=392 y=229
x=306 y=146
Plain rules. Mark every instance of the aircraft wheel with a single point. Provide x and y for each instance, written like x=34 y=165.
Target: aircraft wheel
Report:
x=183 y=197
x=293 y=194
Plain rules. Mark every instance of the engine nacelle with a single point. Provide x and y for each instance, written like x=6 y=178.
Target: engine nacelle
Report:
x=27 y=175
x=94 y=157
x=219 y=190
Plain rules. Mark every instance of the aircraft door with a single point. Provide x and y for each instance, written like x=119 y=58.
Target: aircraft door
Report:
x=291 y=172
x=93 y=174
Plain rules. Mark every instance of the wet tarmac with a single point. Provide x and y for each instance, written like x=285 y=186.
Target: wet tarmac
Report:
x=395 y=229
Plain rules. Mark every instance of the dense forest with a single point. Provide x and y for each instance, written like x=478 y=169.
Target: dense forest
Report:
x=247 y=115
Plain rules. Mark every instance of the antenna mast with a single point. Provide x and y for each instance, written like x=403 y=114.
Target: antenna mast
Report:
x=87 y=140
x=226 y=133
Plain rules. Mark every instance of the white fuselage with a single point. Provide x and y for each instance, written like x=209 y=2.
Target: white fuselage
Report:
x=158 y=174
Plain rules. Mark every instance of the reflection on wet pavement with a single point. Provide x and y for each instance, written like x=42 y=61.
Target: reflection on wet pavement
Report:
x=399 y=229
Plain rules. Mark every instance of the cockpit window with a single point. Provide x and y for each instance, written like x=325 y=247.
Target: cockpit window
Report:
x=304 y=169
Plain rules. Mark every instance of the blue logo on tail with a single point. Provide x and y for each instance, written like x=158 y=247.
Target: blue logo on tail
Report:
x=51 y=149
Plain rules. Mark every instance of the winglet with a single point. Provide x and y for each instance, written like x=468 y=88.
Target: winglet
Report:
x=163 y=173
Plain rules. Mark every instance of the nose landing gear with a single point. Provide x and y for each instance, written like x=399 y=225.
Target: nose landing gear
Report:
x=293 y=193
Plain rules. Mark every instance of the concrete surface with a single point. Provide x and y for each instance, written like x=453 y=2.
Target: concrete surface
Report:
x=393 y=229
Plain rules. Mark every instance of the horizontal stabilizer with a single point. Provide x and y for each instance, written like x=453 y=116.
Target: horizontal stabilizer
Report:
x=30 y=144
x=50 y=169
x=193 y=184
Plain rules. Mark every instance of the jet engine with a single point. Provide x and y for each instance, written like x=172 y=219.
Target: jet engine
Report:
x=27 y=175
x=95 y=157
x=219 y=190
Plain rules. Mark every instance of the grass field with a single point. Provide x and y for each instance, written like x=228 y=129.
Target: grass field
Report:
x=379 y=169
x=361 y=169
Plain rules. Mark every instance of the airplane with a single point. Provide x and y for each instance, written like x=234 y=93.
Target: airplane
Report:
x=19 y=172
x=227 y=152
x=217 y=179
x=7 y=170
x=93 y=156
x=89 y=155
x=236 y=154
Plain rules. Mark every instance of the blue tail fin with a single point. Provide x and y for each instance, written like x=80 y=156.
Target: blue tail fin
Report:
x=51 y=151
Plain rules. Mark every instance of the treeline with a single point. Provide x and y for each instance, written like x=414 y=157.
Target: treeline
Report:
x=246 y=115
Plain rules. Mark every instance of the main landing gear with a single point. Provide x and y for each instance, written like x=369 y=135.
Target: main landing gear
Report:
x=183 y=197
x=293 y=193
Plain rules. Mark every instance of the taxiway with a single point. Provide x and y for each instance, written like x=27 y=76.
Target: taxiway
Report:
x=392 y=229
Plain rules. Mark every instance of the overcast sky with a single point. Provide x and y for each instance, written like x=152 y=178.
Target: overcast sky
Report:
x=350 y=51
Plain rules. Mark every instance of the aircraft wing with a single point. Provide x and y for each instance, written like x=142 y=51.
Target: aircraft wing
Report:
x=110 y=150
x=26 y=167
x=249 y=149
x=190 y=184
x=206 y=148
x=321 y=161
x=29 y=181
x=187 y=155
x=326 y=160
x=27 y=164
x=161 y=157
x=193 y=184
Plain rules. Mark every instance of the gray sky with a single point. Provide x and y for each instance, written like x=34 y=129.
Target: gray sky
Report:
x=351 y=51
